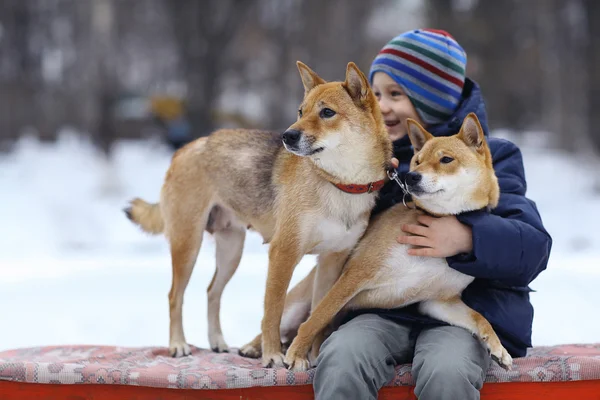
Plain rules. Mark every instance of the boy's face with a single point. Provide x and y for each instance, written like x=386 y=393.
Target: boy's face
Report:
x=395 y=105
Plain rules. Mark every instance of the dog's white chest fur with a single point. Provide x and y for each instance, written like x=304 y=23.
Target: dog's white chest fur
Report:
x=344 y=220
x=334 y=235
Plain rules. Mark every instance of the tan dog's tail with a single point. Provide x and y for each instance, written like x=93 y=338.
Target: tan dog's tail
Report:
x=146 y=215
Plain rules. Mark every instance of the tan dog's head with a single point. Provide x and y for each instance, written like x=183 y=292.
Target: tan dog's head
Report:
x=451 y=175
x=338 y=121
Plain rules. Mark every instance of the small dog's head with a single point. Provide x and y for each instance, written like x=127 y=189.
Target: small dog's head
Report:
x=451 y=175
x=336 y=119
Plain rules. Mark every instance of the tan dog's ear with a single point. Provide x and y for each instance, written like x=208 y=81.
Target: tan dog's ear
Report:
x=417 y=134
x=471 y=132
x=310 y=79
x=356 y=82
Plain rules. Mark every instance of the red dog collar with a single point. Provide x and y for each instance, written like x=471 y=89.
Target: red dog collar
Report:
x=359 y=189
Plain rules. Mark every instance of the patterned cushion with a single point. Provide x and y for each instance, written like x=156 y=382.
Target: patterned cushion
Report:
x=207 y=370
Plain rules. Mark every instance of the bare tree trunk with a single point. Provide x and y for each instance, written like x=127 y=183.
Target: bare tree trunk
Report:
x=593 y=70
x=103 y=35
x=563 y=66
x=495 y=34
x=18 y=70
x=204 y=31
x=285 y=39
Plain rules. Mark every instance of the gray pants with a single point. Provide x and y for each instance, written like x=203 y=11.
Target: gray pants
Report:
x=359 y=358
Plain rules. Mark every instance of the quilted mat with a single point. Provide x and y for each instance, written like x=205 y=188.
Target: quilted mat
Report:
x=153 y=367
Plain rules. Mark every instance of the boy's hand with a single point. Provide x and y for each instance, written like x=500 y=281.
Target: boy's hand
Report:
x=438 y=237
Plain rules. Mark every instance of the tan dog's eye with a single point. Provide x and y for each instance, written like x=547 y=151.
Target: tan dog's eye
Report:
x=446 y=160
x=327 y=113
x=300 y=113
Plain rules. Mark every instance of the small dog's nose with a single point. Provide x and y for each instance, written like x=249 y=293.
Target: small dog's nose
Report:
x=291 y=136
x=412 y=178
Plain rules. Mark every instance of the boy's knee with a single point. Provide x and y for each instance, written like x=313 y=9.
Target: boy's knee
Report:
x=346 y=348
x=443 y=372
x=358 y=359
x=368 y=338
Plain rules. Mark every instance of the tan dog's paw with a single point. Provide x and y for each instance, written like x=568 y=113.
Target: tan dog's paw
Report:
x=498 y=352
x=296 y=358
x=179 y=349
x=218 y=345
x=250 y=351
x=297 y=364
x=274 y=360
x=503 y=358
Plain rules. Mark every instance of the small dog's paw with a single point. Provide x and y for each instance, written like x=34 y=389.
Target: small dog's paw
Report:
x=218 y=345
x=297 y=364
x=273 y=360
x=296 y=358
x=179 y=349
x=503 y=358
x=249 y=351
x=498 y=352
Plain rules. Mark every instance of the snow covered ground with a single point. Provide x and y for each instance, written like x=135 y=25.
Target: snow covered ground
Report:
x=73 y=270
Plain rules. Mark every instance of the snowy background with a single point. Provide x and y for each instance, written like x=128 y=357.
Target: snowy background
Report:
x=74 y=270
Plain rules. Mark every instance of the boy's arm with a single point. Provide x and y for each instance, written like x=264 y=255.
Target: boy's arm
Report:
x=510 y=244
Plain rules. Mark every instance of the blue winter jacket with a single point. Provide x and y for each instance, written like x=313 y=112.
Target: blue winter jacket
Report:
x=510 y=245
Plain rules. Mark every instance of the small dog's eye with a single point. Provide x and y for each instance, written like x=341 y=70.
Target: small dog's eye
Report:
x=327 y=113
x=446 y=160
x=300 y=112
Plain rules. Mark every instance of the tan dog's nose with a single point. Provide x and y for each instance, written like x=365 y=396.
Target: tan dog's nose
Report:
x=291 y=137
x=412 y=178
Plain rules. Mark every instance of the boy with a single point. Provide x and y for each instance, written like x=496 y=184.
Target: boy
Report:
x=420 y=74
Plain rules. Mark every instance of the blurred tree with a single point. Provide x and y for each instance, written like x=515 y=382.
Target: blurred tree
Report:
x=324 y=35
x=203 y=31
x=104 y=90
x=592 y=10
x=67 y=62
x=565 y=53
x=17 y=65
x=494 y=35
x=534 y=61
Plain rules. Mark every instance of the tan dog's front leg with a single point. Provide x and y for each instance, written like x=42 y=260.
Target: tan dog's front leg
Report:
x=329 y=268
x=282 y=262
x=347 y=286
x=295 y=311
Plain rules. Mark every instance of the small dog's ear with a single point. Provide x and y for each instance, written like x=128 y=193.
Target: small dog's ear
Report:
x=471 y=132
x=417 y=134
x=356 y=82
x=310 y=79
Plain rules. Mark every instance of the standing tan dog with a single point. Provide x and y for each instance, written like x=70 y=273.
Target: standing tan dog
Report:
x=449 y=175
x=311 y=194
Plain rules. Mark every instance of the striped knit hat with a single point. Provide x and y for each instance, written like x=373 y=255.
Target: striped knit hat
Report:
x=430 y=66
